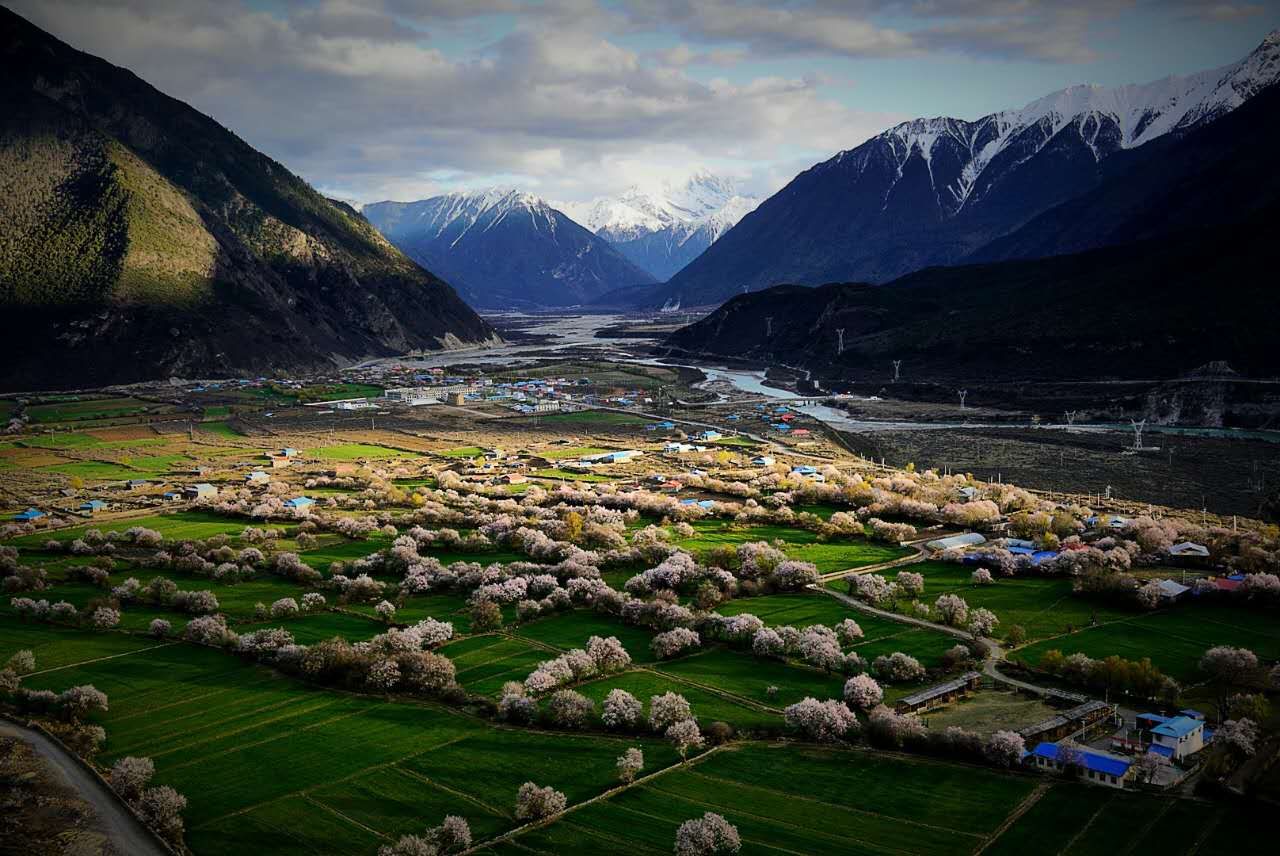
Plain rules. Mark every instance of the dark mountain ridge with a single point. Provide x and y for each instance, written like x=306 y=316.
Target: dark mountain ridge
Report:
x=142 y=239
x=504 y=249
x=1153 y=310
x=939 y=191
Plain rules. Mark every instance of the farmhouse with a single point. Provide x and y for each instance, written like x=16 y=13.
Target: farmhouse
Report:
x=941 y=694
x=29 y=516
x=1097 y=767
x=611 y=457
x=136 y=484
x=171 y=496
x=763 y=461
x=1189 y=550
x=1171 y=591
x=93 y=506
x=257 y=477
x=1175 y=737
x=299 y=503
x=203 y=490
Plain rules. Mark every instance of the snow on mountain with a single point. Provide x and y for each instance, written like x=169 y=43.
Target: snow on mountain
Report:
x=502 y=247
x=1107 y=119
x=936 y=191
x=663 y=227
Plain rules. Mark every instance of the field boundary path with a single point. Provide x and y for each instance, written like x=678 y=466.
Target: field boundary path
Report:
x=909 y=559
x=100 y=659
x=898 y=617
x=1019 y=810
x=612 y=792
x=126 y=832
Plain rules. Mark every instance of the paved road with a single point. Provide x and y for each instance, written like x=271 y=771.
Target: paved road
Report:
x=127 y=835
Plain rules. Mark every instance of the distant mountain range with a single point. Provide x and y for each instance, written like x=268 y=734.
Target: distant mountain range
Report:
x=141 y=239
x=663 y=228
x=941 y=191
x=1185 y=278
x=503 y=249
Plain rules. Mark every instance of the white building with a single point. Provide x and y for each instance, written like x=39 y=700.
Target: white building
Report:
x=1181 y=736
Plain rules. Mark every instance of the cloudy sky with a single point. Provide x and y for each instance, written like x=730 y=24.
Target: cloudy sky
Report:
x=401 y=99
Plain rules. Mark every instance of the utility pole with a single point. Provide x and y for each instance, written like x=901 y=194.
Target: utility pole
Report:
x=840 y=344
x=963 y=393
x=897 y=370
x=1138 y=428
x=768 y=327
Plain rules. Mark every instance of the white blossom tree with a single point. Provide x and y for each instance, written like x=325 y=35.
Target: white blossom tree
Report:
x=621 y=710
x=130 y=776
x=685 y=735
x=709 y=835
x=630 y=763
x=534 y=802
x=667 y=709
x=862 y=692
x=1004 y=748
x=951 y=609
x=824 y=721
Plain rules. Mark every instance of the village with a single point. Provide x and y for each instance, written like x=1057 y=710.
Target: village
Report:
x=721 y=476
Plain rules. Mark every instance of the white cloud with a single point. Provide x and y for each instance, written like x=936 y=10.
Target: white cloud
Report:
x=350 y=95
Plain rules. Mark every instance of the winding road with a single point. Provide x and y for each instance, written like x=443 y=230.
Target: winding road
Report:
x=126 y=833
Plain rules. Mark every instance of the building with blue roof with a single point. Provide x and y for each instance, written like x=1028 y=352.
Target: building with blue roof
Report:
x=1096 y=767
x=93 y=506
x=1181 y=735
x=299 y=502
x=29 y=516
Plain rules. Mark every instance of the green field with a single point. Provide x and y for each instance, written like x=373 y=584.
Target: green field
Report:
x=1174 y=639
x=182 y=525
x=349 y=773
x=69 y=410
x=708 y=706
x=880 y=635
x=592 y=417
x=1043 y=606
x=357 y=451
x=485 y=663
x=567 y=475
x=829 y=556
x=206 y=718
x=573 y=629
x=462 y=452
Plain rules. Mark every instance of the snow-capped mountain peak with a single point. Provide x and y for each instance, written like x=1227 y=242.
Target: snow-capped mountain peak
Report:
x=642 y=209
x=663 y=226
x=1106 y=119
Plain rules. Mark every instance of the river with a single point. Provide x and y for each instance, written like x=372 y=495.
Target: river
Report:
x=579 y=334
